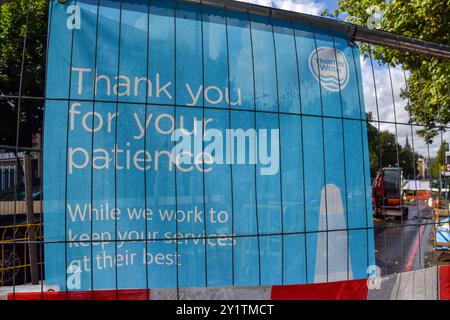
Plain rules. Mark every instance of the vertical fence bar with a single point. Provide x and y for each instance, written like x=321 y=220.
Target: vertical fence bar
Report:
x=279 y=149
x=17 y=164
x=343 y=152
x=323 y=153
x=175 y=172
x=255 y=166
x=400 y=173
x=202 y=131
x=32 y=248
x=302 y=149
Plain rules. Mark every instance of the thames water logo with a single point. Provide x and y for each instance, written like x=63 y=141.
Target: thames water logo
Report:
x=330 y=68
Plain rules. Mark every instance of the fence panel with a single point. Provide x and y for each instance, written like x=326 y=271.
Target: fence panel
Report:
x=173 y=146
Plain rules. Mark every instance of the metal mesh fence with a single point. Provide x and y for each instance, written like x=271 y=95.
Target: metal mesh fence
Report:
x=363 y=184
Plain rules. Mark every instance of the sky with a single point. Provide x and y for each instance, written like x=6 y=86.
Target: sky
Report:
x=305 y=6
x=387 y=102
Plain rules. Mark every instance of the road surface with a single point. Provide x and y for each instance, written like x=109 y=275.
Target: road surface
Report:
x=405 y=245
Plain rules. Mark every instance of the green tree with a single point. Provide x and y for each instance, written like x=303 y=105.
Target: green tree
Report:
x=386 y=142
x=13 y=28
x=428 y=84
x=374 y=149
x=409 y=162
x=439 y=161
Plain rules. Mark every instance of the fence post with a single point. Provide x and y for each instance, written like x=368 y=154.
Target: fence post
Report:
x=32 y=248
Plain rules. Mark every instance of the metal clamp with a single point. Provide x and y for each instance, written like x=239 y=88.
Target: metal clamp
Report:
x=352 y=35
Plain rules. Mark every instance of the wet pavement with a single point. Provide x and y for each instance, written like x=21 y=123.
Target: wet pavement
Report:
x=405 y=244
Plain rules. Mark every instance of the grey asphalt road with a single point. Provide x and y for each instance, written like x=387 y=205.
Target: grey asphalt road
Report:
x=404 y=245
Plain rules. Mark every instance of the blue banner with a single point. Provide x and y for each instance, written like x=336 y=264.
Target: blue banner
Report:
x=192 y=146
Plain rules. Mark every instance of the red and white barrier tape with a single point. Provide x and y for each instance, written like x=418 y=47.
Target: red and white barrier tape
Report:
x=425 y=284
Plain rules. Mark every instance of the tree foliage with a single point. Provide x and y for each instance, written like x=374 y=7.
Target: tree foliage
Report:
x=428 y=90
x=384 y=151
x=13 y=28
x=439 y=161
